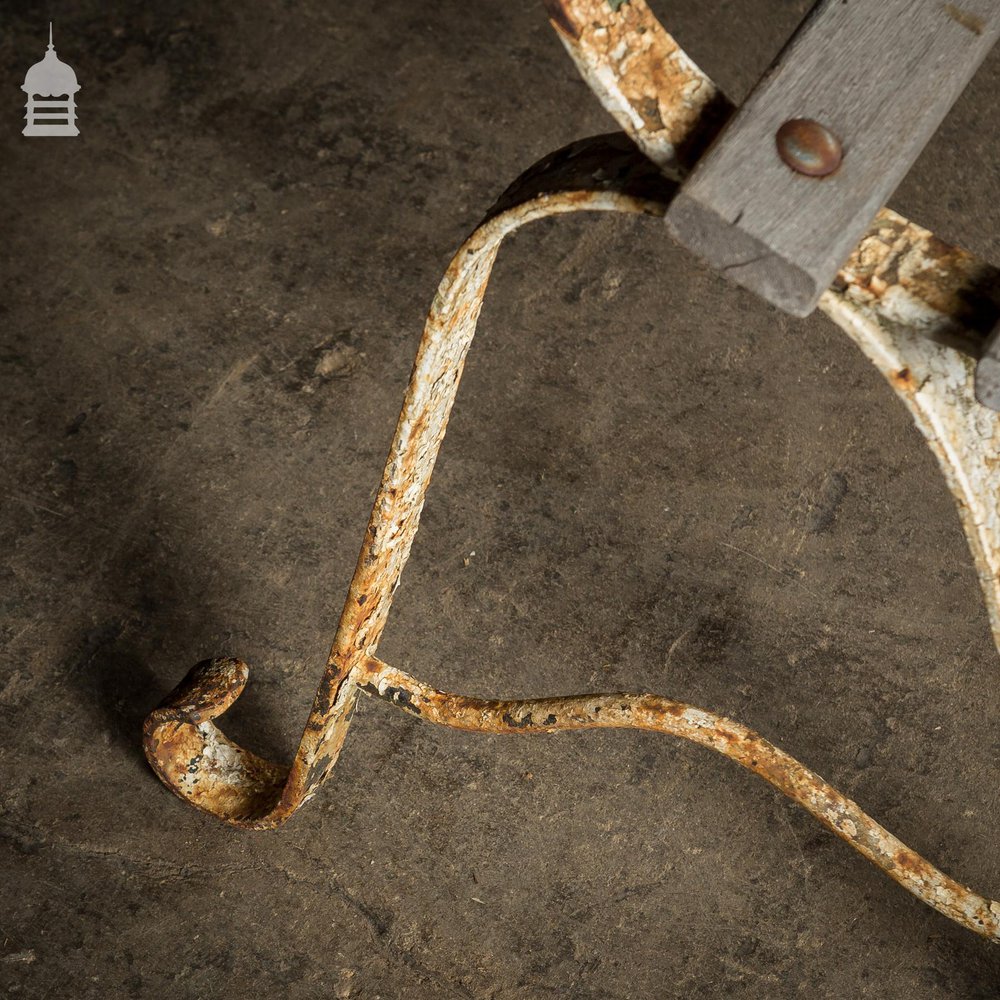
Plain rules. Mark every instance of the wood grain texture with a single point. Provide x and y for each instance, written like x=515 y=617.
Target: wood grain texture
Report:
x=881 y=75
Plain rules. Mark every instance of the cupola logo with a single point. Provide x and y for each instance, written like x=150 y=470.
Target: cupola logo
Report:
x=50 y=86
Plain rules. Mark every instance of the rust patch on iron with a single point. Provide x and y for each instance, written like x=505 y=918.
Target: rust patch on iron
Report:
x=654 y=90
x=560 y=18
x=903 y=380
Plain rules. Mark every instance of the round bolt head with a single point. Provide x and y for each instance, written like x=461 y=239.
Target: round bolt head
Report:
x=808 y=147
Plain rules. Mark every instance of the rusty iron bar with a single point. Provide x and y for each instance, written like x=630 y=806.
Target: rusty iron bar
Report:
x=903 y=296
x=185 y=748
x=715 y=732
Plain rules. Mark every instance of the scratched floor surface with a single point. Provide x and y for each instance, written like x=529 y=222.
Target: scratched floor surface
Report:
x=210 y=303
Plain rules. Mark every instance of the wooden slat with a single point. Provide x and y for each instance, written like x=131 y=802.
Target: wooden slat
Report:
x=880 y=75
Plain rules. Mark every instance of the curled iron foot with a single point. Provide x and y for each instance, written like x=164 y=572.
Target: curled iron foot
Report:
x=902 y=297
x=198 y=762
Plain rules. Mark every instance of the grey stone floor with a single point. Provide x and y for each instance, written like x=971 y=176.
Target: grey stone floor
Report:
x=210 y=303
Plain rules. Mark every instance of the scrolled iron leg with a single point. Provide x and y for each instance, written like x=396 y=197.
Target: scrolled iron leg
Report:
x=902 y=297
x=182 y=743
x=199 y=763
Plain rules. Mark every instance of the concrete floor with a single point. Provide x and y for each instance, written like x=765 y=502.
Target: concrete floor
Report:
x=210 y=303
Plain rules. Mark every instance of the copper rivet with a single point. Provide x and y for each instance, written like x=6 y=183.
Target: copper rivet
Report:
x=808 y=147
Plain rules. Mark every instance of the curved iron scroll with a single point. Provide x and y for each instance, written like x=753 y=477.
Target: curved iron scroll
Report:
x=902 y=297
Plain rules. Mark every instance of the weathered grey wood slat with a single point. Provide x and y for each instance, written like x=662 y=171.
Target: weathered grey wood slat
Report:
x=880 y=75
x=987 y=383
